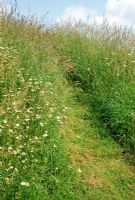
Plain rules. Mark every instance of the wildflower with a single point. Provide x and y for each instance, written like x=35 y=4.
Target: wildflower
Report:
x=58 y=118
x=17 y=125
x=45 y=135
x=27 y=119
x=27 y=184
x=19 y=137
x=36 y=83
x=38 y=117
x=23 y=154
x=23 y=161
x=51 y=109
x=11 y=167
x=7 y=180
x=15 y=152
x=66 y=117
x=41 y=124
x=16 y=110
x=39 y=107
x=49 y=83
x=79 y=170
x=28 y=110
x=36 y=138
x=10 y=148
x=5 y=121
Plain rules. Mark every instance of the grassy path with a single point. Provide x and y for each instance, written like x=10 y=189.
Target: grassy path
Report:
x=102 y=172
x=52 y=147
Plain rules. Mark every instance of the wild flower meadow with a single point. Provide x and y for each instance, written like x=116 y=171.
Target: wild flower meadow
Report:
x=32 y=154
x=55 y=139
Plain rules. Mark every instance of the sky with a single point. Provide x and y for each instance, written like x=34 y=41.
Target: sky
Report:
x=117 y=11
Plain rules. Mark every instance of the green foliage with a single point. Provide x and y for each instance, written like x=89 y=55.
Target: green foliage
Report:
x=104 y=66
x=34 y=164
x=36 y=147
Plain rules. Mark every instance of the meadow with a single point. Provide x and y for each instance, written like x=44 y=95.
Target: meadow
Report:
x=103 y=62
x=66 y=111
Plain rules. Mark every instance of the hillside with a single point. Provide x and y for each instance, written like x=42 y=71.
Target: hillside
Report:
x=67 y=112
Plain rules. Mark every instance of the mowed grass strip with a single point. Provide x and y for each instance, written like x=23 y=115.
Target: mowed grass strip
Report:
x=103 y=172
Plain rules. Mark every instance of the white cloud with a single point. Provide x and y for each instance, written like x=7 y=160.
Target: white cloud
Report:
x=117 y=11
x=75 y=14
x=121 y=11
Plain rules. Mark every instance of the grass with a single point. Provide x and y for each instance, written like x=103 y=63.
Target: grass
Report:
x=102 y=170
x=52 y=145
x=34 y=164
x=104 y=65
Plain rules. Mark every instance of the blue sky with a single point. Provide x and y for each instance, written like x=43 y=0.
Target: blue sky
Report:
x=120 y=11
x=56 y=7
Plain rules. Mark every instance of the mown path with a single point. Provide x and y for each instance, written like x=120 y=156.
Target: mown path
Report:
x=102 y=171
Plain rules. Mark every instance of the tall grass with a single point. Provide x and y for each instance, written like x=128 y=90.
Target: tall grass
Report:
x=103 y=60
x=34 y=164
